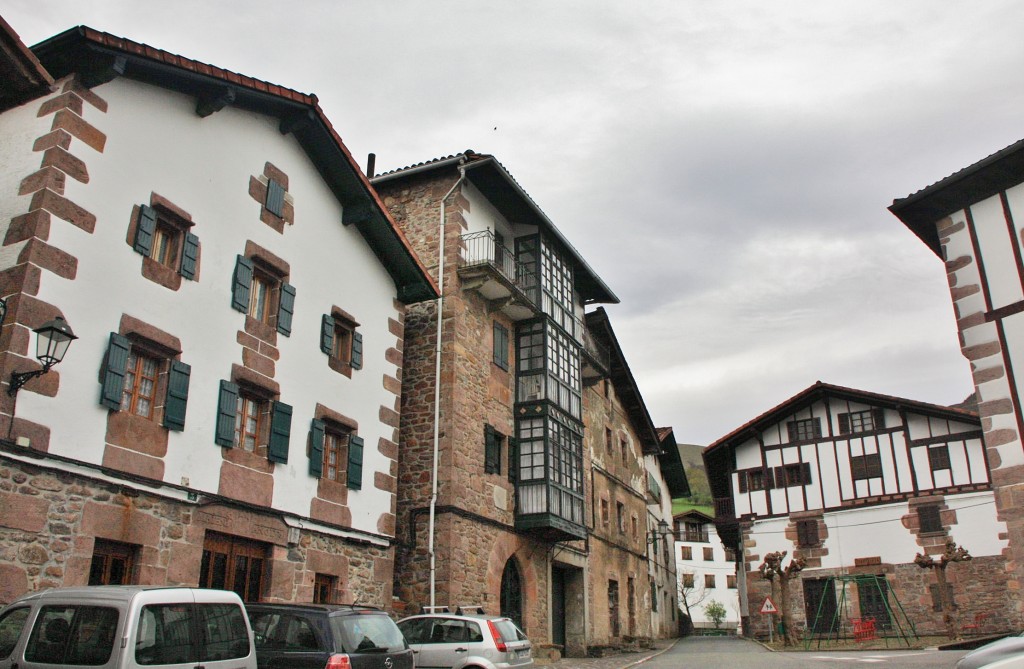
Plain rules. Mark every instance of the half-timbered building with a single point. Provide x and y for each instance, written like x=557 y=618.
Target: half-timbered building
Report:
x=858 y=483
x=972 y=222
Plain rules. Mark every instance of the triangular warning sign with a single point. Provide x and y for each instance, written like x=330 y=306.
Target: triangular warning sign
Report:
x=768 y=606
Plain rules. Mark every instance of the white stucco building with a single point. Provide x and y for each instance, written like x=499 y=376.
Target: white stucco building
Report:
x=228 y=413
x=858 y=483
x=706 y=571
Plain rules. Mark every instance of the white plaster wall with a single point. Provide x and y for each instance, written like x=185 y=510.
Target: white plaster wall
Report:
x=720 y=567
x=879 y=531
x=19 y=128
x=996 y=247
x=156 y=142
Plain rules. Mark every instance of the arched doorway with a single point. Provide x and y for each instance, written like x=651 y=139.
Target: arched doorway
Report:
x=512 y=593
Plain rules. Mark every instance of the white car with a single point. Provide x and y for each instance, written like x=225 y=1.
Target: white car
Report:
x=453 y=641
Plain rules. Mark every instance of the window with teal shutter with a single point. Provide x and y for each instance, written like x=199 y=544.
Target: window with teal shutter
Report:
x=177 y=395
x=145 y=229
x=189 y=256
x=285 y=309
x=227 y=408
x=275 y=198
x=241 y=282
x=355 y=462
x=115 y=365
x=357 y=349
x=280 y=432
x=316 y=447
x=327 y=334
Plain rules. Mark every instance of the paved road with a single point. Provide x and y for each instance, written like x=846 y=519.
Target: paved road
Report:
x=731 y=653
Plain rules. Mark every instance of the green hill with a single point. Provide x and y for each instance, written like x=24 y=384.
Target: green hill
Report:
x=693 y=463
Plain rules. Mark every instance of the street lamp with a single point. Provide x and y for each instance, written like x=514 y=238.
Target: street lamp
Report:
x=52 y=341
x=663 y=530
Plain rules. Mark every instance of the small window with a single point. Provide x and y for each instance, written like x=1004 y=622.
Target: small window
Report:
x=112 y=563
x=165 y=238
x=709 y=554
x=624 y=446
x=730 y=581
x=335 y=455
x=248 y=419
x=635 y=524
x=654 y=596
x=493 y=441
x=709 y=581
x=11 y=625
x=938 y=457
x=134 y=376
x=324 y=587
x=755 y=479
x=608 y=440
x=688 y=580
x=341 y=341
x=861 y=421
x=140 y=384
x=929 y=518
x=604 y=512
x=500 y=346
x=807 y=533
x=620 y=515
x=686 y=552
x=796 y=474
x=804 y=429
x=867 y=466
x=730 y=555
x=261 y=292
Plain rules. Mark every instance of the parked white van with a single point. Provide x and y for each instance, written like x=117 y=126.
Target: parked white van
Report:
x=126 y=626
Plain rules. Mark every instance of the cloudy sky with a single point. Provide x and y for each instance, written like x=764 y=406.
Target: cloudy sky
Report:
x=724 y=166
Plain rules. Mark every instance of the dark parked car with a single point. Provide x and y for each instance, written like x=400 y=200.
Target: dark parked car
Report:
x=327 y=636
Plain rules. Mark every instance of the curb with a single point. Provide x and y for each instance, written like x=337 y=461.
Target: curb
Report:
x=652 y=655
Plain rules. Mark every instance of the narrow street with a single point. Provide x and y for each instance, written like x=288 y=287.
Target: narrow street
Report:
x=730 y=653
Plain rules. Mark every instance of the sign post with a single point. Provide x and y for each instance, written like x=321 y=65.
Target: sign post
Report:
x=769 y=608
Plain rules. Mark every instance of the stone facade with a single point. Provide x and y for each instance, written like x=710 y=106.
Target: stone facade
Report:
x=51 y=519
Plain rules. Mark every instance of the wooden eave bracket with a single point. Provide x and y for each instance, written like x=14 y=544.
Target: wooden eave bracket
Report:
x=214 y=101
x=103 y=72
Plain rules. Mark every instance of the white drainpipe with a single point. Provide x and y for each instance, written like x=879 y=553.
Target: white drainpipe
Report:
x=437 y=385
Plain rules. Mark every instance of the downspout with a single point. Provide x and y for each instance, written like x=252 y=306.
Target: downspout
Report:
x=437 y=384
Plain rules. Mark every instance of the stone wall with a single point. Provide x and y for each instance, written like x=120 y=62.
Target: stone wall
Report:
x=51 y=519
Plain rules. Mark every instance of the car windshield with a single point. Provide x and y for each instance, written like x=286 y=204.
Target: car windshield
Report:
x=362 y=633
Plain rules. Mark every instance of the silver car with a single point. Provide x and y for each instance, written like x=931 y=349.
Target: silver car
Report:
x=453 y=641
x=1003 y=649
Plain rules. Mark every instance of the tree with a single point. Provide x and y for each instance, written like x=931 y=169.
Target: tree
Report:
x=952 y=554
x=773 y=571
x=715 y=610
x=691 y=592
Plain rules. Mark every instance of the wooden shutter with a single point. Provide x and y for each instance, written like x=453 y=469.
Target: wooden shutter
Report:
x=791 y=430
x=227 y=409
x=189 y=256
x=769 y=480
x=878 y=417
x=177 y=395
x=115 y=364
x=145 y=229
x=285 y=309
x=844 y=423
x=242 y=284
x=327 y=334
x=492 y=451
x=741 y=477
x=355 y=462
x=780 y=477
x=357 y=350
x=513 y=458
x=280 y=432
x=317 y=431
x=275 y=198
x=805 y=473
